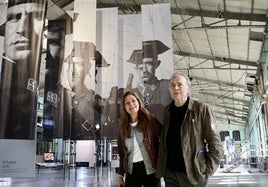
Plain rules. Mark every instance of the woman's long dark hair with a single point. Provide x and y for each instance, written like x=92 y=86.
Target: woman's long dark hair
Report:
x=125 y=119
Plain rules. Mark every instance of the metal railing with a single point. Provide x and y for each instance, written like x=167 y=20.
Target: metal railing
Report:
x=252 y=155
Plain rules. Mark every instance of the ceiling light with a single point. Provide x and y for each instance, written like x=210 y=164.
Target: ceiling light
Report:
x=239 y=23
x=253 y=76
x=97 y=126
x=248 y=94
x=245 y=109
x=223 y=58
x=256 y=36
x=250 y=86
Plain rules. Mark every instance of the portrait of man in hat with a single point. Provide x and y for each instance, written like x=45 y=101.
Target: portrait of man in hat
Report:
x=154 y=92
x=85 y=106
x=20 y=68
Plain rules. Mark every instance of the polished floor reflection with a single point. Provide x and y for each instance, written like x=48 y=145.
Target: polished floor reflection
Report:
x=106 y=177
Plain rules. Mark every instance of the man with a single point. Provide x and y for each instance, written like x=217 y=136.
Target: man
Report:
x=153 y=91
x=190 y=147
x=20 y=69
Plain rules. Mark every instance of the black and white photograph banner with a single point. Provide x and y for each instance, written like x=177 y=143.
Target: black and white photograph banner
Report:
x=78 y=73
x=157 y=58
x=20 y=69
x=3 y=13
x=118 y=53
x=19 y=86
x=147 y=55
x=106 y=73
x=54 y=60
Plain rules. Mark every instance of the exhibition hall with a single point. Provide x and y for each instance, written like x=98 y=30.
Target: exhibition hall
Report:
x=133 y=93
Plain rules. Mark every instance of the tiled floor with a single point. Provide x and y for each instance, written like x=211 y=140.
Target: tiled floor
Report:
x=106 y=177
x=242 y=176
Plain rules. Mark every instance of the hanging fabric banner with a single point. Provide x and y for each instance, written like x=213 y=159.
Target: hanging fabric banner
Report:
x=54 y=60
x=20 y=69
x=19 y=86
x=129 y=30
x=63 y=117
x=83 y=63
x=78 y=73
x=147 y=55
x=107 y=73
x=3 y=13
x=157 y=58
x=64 y=111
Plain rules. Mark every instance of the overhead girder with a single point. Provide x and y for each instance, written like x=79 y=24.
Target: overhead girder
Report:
x=229 y=115
x=232 y=121
x=215 y=58
x=220 y=83
x=229 y=98
x=231 y=108
x=191 y=12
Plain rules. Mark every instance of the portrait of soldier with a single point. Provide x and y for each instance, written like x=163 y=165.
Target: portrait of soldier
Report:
x=85 y=105
x=153 y=91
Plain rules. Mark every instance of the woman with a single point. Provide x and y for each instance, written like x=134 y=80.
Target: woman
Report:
x=139 y=133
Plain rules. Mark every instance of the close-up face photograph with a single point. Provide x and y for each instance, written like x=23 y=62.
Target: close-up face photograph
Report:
x=22 y=27
x=146 y=70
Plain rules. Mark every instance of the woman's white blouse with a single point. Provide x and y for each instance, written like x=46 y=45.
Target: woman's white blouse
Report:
x=137 y=156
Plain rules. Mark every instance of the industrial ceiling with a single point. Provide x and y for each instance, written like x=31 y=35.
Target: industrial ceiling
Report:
x=216 y=42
